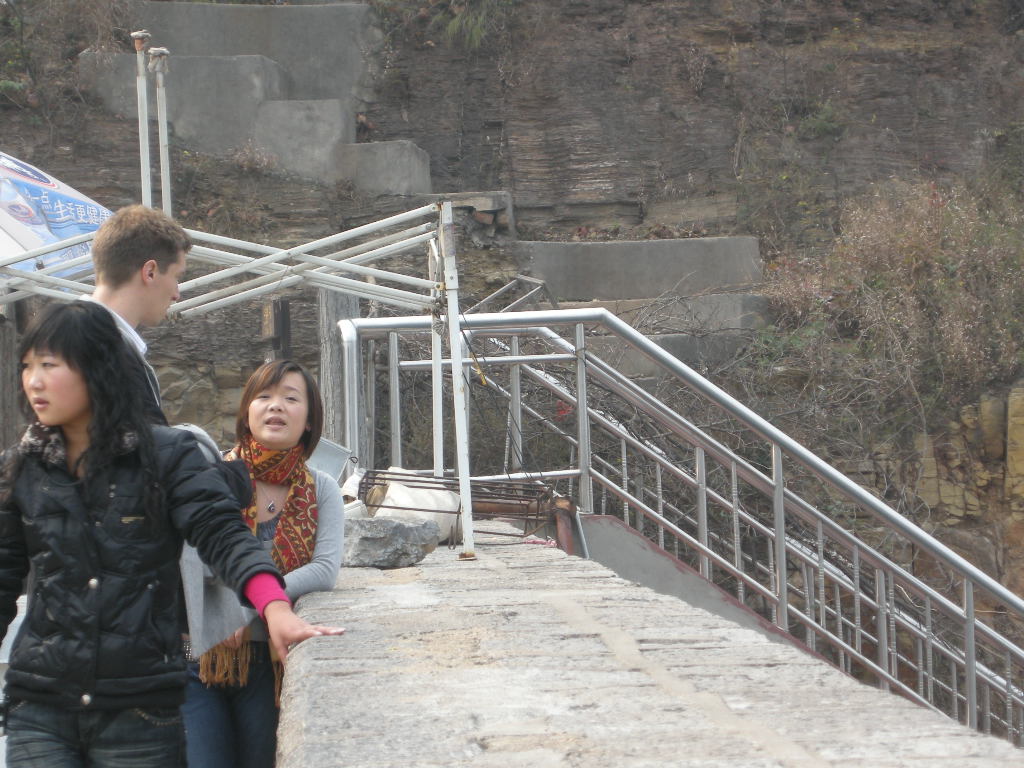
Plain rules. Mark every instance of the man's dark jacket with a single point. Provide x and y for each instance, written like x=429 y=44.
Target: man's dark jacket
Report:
x=103 y=628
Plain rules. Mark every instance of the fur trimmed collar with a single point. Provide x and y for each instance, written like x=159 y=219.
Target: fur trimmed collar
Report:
x=47 y=444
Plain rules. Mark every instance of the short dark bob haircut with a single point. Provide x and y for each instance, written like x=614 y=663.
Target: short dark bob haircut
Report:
x=269 y=375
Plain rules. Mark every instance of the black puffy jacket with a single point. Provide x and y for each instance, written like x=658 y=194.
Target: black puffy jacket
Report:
x=103 y=627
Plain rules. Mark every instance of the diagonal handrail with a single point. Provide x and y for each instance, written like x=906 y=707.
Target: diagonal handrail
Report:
x=819 y=581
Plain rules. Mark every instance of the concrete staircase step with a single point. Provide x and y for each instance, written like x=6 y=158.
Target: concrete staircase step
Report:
x=321 y=46
x=214 y=120
x=297 y=101
x=383 y=167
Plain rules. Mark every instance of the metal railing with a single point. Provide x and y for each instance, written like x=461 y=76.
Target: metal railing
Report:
x=714 y=484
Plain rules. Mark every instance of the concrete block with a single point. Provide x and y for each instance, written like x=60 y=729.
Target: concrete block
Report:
x=322 y=47
x=383 y=167
x=305 y=136
x=212 y=101
x=582 y=271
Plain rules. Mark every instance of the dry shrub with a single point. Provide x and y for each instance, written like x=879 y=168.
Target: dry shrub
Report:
x=39 y=44
x=923 y=280
x=916 y=310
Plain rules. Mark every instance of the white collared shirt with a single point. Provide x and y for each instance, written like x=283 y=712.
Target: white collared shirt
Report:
x=130 y=334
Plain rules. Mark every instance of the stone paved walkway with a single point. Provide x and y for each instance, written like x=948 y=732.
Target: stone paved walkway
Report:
x=528 y=657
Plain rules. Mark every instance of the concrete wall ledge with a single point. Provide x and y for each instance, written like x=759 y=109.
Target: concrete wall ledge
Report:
x=582 y=271
x=303 y=135
x=528 y=657
x=382 y=167
x=212 y=101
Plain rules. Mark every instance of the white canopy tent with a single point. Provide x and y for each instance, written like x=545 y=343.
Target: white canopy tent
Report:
x=37 y=211
x=238 y=271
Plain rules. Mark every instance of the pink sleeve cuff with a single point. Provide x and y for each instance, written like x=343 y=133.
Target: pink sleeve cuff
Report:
x=263 y=588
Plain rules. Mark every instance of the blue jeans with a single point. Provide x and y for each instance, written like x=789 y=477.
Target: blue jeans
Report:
x=228 y=726
x=41 y=736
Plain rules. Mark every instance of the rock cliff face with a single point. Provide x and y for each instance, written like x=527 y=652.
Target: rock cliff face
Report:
x=733 y=117
x=708 y=114
x=969 y=480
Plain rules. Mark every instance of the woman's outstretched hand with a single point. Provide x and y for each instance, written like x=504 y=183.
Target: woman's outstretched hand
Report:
x=287 y=630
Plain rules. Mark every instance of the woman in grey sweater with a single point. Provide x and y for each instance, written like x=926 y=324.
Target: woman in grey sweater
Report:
x=231 y=705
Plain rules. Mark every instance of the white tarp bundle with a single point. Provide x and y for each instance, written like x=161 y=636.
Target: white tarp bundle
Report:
x=37 y=210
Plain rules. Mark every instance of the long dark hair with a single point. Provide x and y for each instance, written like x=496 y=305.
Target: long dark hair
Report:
x=85 y=336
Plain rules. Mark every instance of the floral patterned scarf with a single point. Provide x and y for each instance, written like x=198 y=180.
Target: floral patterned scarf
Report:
x=294 y=540
x=295 y=535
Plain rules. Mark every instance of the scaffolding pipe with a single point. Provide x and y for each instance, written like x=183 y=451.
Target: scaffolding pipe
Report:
x=455 y=350
x=139 y=39
x=158 y=65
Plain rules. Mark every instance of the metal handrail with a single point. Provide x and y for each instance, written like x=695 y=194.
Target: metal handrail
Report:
x=537 y=321
x=817 y=580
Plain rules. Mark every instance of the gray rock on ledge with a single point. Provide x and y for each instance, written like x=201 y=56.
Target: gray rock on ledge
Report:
x=388 y=542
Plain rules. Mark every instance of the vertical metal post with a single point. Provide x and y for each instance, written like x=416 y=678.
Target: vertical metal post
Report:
x=434 y=267
x=810 y=636
x=919 y=665
x=970 y=651
x=661 y=503
x=394 y=401
x=371 y=404
x=954 y=689
x=583 y=435
x=140 y=39
x=858 y=636
x=1011 y=729
x=446 y=232
x=158 y=64
x=986 y=708
x=820 y=573
x=779 y=509
x=844 y=659
x=702 y=510
x=583 y=423
x=437 y=397
x=515 y=413
x=929 y=652
x=882 y=626
x=625 y=481
x=351 y=367
x=737 y=545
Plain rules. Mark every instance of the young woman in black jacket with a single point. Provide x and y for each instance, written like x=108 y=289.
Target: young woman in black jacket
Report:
x=94 y=505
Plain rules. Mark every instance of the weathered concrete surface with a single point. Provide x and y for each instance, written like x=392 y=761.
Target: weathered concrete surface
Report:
x=634 y=557
x=303 y=134
x=384 y=167
x=214 y=119
x=322 y=47
x=528 y=657
x=581 y=271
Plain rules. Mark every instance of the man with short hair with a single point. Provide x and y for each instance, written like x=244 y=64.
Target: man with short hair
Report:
x=139 y=255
